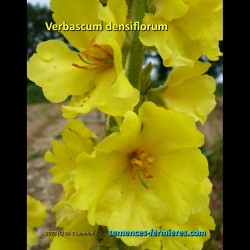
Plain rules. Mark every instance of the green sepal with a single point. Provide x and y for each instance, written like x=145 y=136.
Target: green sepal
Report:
x=146 y=78
x=154 y=95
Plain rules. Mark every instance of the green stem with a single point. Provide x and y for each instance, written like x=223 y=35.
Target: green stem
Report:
x=136 y=53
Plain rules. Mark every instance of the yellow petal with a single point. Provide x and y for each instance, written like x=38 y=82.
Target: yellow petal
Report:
x=178 y=165
x=112 y=95
x=188 y=91
x=77 y=139
x=110 y=14
x=173 y=46
x=203 y=22
x=120 y=16
x=51 y=68
x=200 y=221
x=169 y=9
x=31 y=237
x=115 y=41
x=134 y=208
x=68 y=190
x=66 y=244
x=173 y=130
x=206 y=186
x=75 y=222
x=129 y=134
x=36 y=212
x=182 y=174
x=193 y=32
x=63 y=159
x=180 y=74
x=77 y=12
x=92 y=179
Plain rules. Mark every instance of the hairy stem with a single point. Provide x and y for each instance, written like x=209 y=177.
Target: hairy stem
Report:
x=136 y=53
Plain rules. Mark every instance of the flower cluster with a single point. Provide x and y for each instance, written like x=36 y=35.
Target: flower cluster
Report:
x=148 y=172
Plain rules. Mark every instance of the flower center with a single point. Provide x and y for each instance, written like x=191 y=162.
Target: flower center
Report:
x=97 y=57
x=140 y=162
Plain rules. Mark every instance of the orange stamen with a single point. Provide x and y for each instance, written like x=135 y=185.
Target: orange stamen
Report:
x=89 y=67
x=92 y=61
x=137 y=163
x=103 y=50
x=140 y=160
x=89 y=56
x=79 y=66
x=147 y=175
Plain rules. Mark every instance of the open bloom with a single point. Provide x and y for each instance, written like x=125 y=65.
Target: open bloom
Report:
x=94 y=76
x=36 y=216
x=198 y=225
x=194 y=29
x=148 y=172
x=77 y=138
x=187 y=90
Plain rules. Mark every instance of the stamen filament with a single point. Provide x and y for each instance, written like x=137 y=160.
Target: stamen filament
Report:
x=89 y=67
x=94 y=59
x=103 y=50
x=87 y=62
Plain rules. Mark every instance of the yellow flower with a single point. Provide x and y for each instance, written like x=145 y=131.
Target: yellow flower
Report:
x=150 y=171
x=77 y=138
x=197 y=223
x=94 y=76
x=194 y=29
x=78 y=234
x=187 y=90
x=36 y=216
